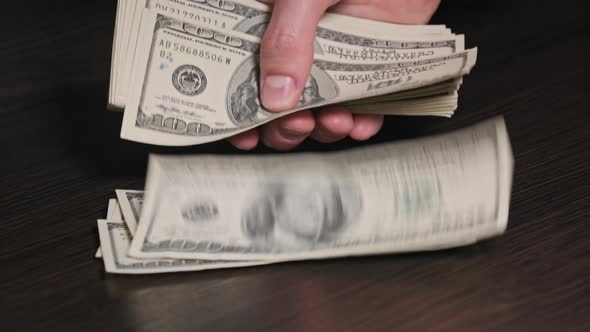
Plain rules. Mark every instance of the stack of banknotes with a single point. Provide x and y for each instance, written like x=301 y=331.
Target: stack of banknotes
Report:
x=204 y=212
x=186 y=72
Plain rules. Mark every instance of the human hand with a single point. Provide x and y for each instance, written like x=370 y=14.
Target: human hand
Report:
x=286 y=56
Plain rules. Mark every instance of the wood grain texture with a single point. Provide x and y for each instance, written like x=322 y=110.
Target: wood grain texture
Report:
x=63 y=160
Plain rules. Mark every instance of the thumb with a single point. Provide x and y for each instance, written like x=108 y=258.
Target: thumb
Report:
x=286 y=52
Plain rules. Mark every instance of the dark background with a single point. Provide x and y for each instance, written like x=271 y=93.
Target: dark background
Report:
x=63 y=159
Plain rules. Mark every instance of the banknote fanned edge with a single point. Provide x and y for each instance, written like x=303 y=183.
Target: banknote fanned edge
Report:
x=129 y=130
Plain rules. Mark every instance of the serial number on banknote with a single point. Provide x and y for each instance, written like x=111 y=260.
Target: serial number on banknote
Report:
x=191 y=16
x=190 y=50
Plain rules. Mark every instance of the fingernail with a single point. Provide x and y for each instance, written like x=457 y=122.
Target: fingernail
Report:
x=242 y=146
x=277 y=92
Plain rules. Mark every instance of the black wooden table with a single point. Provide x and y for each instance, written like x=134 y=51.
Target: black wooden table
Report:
x=63 y=159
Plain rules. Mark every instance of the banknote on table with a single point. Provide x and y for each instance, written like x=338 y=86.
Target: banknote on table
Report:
x=115 y=237
x=414 y=199
x=430 y=193
x=113 y=214
x=131 y=202
x=125 y=208
x=115 y=240
x=197 y=85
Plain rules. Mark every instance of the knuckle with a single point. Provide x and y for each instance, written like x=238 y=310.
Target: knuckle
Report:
x=278 y=44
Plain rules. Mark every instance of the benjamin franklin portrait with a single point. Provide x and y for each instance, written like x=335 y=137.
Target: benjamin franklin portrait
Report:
x=245 y=104
x=287 y=216
x=244 y=100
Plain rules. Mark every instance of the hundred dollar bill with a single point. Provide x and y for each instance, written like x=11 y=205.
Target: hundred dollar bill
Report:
x=115 y=239
x=425 y=194
x=197 y=85
x=117 y=236
x=347 y=38
x=131 y=202
x=113 y=214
